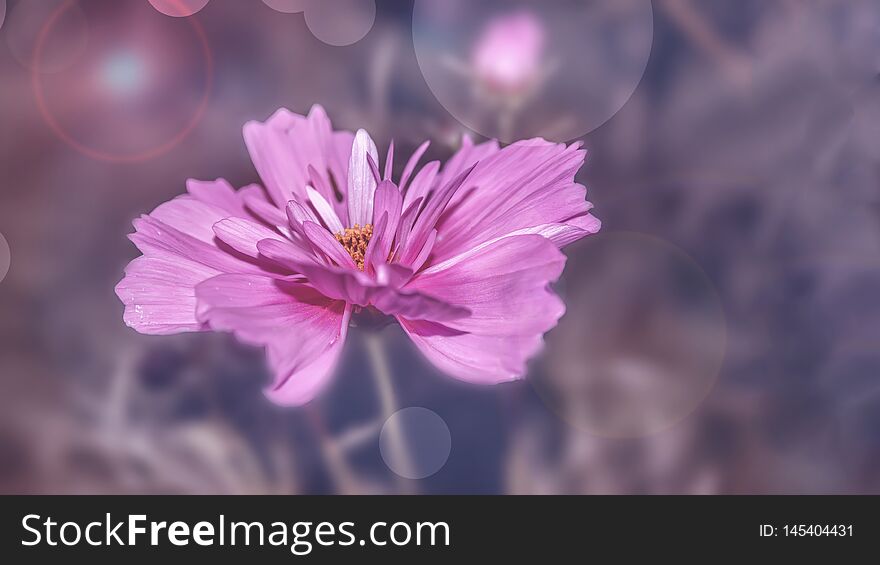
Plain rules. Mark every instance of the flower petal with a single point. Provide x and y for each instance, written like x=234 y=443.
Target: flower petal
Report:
x=325 y=211
x=412 y=164
x=407 y=219
x=389 y=162
x=242 y=235
x=285 y=145
x=374 y=254
x=422 y=184
x=297 y=214
x=302 y=330
x=361 y=181
x=425 y=251
x=285 y=253
x=158 y=292
x=387 y=206
x=527 y=184
x=321 y=239
x=258 y=203
x=427 y=219
x=474 y=358
x=415 y=305
x=468 y=156
x=180 y=250
x=348 y=284
x=504 y=285
x=189 y=216
x=218 y=193
x=153 y=237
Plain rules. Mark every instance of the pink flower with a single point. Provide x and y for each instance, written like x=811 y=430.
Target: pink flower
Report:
x=461 y=256
x=507 y=56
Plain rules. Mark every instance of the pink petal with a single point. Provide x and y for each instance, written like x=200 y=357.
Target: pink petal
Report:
x=325 y=211
x=474 y=358
x=190 y=216
x=374 y=168
x=257 y=202
x=425 y=252
x=412 y=164
x=361 y=182
x=242 y=235
x=302 y=330
x=415 y=305
x=431 y=213
x=375 y=254
x=388 y=203
x=283 y=148
x=407 y=219
x=422 y=184
x=297 y=214
x=285 y=253
x=527 y=184
x=330 y=193
x=504 y=285
x=393 y=275
x=218 y=193
x=321 y=239
x=159 y=293
x=153 y=237
x=560 y=234
x=468 y=156
x=588 y=222
x=347 y=284
x=180 y=250
x=389 y=161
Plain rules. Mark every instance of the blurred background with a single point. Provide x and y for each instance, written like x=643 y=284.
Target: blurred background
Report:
x=722 y=332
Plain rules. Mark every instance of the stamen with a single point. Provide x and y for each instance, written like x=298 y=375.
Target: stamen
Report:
x=355 y=241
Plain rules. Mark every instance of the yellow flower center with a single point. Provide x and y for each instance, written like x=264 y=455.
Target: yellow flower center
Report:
x=355 y=241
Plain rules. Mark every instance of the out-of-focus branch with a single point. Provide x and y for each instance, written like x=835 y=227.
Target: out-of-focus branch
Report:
x=735 y=65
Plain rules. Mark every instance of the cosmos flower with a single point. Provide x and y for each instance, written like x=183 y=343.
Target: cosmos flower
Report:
x=508 y=54
x=461 y=255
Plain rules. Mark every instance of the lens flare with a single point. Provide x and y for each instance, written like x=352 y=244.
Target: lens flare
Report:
x=340 y=22
x=287 y=6
x=59 y=52
x=515 y=69
x=179 y=8
x=127 y=79
x=427 y=441
x=642 y=340
x=123 y=72
x=5 y=257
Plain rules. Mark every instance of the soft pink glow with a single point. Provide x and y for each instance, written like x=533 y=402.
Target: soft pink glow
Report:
x=508 y=54
x=37 y=81
x=179 y=8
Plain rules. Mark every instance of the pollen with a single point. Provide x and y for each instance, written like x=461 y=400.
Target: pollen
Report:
x=355 y=241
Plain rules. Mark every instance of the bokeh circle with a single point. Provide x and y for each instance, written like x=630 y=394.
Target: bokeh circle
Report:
x=642 y=341
x=515 y=69
x=59 y=52
x=340 y=22
x=150 y=73
x=179 y=8
x=425 y=438
x=287 y=6
x=5 y=257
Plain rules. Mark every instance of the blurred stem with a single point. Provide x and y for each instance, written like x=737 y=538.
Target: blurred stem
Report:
x=734 y=63
x=342 y=474
x=385 y=385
